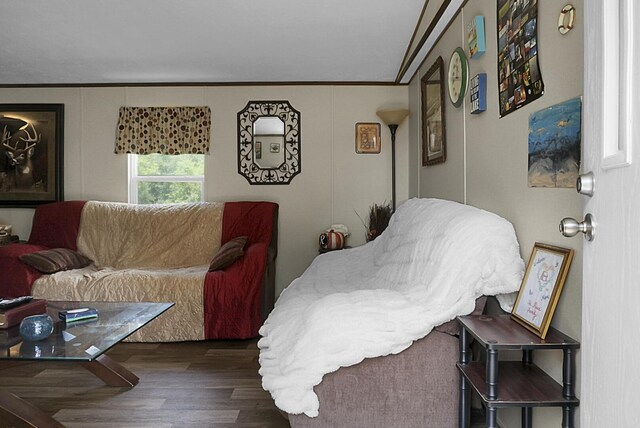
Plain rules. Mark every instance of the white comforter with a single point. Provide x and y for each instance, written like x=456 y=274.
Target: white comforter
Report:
x=429 y=266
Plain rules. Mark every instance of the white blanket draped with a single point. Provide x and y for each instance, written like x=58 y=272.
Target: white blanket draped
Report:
x=429 y=266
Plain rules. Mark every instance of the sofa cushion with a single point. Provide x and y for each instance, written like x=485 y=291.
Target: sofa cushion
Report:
x=128 y=236
x=180 y=286
x=228 y=253
x=55 y=260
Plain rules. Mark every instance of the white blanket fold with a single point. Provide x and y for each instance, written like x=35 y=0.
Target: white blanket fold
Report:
x=429 y=266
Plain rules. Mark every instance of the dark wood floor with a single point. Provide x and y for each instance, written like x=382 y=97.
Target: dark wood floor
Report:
x=192 y=384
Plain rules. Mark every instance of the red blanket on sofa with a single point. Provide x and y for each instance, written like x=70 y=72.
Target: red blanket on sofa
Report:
x=232 y=297
x=54 y=226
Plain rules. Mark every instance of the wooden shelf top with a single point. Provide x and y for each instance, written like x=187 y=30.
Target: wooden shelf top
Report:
x=518 y=385
x=500 y=332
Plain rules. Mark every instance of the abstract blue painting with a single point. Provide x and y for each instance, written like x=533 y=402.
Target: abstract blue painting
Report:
x=554 y=145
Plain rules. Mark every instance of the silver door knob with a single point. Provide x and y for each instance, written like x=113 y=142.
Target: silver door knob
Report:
x=570 y=227
x=586 y=183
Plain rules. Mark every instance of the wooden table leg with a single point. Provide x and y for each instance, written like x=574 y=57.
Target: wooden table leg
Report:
x=111 y=372
x=19 y=409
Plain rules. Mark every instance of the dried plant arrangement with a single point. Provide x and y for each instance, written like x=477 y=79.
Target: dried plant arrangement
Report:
x=379 y=216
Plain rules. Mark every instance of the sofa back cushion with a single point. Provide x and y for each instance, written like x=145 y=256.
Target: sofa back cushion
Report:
x=56 y=225
x=124 y=236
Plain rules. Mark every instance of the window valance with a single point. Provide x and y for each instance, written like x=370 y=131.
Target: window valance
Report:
x=164 y=130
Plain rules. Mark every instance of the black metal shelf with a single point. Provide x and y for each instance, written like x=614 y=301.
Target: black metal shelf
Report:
x=514 y=383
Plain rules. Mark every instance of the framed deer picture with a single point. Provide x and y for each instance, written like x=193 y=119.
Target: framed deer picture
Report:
x=31 y=154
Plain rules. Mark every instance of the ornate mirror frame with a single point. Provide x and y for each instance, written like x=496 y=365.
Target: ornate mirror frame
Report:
x=291 y=165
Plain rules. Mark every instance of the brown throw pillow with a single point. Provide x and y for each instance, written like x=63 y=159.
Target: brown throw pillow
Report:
x=228 y=253
x=55 y=260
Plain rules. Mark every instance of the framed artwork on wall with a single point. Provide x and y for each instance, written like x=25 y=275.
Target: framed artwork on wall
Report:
x=31 y=154
x=475 y=37
x=368 y=138
x=258 y=149
x=478 y=91
x=519 y=76
x=434 y=149
x=555 y=145
x=541 y=287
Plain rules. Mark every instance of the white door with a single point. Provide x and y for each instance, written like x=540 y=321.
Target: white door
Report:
x=610 y=352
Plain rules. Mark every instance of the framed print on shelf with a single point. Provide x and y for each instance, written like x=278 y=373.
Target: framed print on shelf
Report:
x=434 y=149
x=368 y=138
x=541 y=287
x=31 y=154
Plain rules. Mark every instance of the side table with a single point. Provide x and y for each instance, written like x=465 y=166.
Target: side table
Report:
x=513 y=383
x=9 y=239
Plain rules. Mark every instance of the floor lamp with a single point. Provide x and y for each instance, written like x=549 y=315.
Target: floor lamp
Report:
x=393 y=119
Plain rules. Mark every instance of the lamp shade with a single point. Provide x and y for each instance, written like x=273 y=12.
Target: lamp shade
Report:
x=392 y=117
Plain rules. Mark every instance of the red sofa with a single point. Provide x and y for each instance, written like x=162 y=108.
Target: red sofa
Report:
x=235 y=301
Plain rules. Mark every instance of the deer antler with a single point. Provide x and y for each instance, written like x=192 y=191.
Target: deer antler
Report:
x=35 y=139
x=6 y=136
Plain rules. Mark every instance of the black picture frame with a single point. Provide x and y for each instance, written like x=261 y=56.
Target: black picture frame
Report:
x=31 y=154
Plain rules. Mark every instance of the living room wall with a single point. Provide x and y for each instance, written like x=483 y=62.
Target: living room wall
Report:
x=335 y=183
x=487 y=159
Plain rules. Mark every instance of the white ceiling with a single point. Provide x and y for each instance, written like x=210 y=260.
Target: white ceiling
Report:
x=203 y=41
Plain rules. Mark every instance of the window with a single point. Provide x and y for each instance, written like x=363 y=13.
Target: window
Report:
x=165 y=179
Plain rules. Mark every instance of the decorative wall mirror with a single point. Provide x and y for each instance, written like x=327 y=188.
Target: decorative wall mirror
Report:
x=434 y=149
x=269 y=142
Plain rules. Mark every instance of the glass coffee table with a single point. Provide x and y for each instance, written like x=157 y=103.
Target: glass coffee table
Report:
x=83 y=342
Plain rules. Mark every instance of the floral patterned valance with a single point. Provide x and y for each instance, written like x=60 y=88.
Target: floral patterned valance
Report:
x=164 y=130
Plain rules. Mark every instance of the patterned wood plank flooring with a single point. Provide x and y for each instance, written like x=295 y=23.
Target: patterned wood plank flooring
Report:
x=190 y=384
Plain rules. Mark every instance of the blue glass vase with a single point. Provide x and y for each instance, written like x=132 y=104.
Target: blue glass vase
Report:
x=36 y=327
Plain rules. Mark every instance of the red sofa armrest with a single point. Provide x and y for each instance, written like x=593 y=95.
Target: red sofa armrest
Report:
x=17 y=278
x=233 y=297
